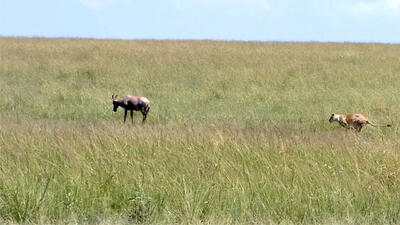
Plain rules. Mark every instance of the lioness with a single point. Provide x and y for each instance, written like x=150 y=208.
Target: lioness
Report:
x=353 y=121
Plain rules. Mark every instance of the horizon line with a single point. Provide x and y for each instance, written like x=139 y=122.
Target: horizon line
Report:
x=196 y=39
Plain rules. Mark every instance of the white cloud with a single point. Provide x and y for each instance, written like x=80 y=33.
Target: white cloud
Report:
x=237 y=4
x=93 y=4
x=393 y=5
x=374 y=7
x=102 y=4
x=264 y=4
x=365 y=8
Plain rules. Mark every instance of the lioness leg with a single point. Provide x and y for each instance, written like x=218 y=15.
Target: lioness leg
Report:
x=359 y=127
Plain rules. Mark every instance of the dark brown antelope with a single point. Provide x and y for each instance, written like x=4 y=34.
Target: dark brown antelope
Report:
x=132 y=103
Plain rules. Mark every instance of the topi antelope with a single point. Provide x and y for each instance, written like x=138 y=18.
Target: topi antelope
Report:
x=129 y=102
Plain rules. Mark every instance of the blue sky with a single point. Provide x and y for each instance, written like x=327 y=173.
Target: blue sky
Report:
x=248 y=20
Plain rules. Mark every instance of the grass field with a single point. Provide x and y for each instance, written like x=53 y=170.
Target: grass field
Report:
x=238 y=133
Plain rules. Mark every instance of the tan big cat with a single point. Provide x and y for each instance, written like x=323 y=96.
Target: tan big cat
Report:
x=353 y=121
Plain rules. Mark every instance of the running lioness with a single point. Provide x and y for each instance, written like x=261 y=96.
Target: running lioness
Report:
x=353 y=121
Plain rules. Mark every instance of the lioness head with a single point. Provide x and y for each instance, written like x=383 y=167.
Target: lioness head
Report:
x=334 y=117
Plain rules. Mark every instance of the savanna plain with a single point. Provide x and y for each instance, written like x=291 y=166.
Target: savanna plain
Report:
x=237 y=133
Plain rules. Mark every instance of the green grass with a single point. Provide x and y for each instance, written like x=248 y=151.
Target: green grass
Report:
x=237 y=133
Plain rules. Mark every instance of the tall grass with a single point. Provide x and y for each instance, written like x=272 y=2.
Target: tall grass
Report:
x=237 y=132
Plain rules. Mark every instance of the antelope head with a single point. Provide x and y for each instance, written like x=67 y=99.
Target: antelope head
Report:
x=115 y=103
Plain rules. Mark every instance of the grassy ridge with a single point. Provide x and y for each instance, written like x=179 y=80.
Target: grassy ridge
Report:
x=237 y=132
